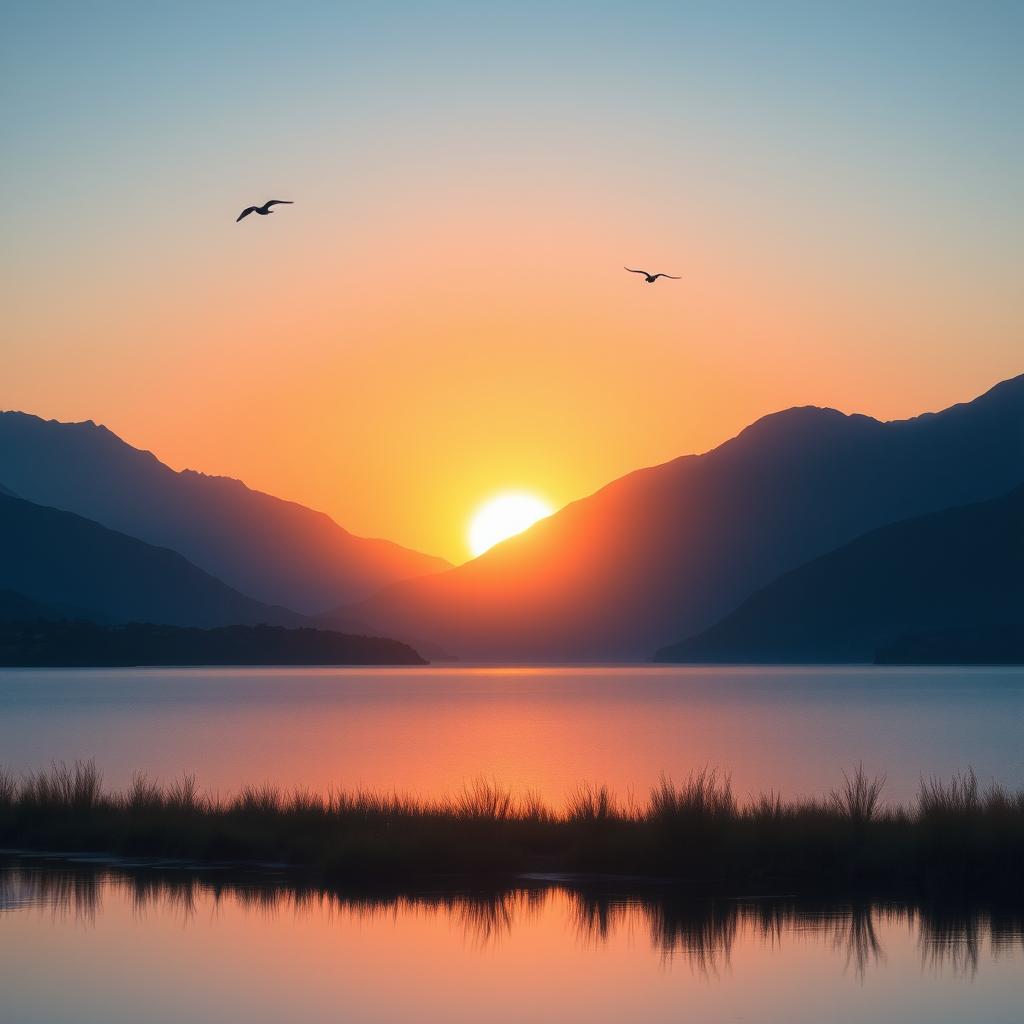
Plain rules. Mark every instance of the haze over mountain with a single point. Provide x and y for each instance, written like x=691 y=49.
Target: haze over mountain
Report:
x=62 y=560
x=274 y=550
x=961 y=567
x=667 y=551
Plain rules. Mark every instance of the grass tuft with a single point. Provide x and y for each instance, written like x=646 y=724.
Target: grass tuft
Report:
x=592 y=803
x=706 y=795
x=858 y=797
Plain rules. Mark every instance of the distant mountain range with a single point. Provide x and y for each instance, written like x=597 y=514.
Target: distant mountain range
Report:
x=57 y=563
x=666 y=552
x=275 y=551
x=812 y=535
x=959 y=568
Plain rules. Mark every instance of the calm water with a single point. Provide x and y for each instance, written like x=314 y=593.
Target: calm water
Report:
x=81 y=944
x=432 y=730
x=88 y=946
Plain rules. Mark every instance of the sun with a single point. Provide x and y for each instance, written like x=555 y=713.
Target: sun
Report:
x=502 y=517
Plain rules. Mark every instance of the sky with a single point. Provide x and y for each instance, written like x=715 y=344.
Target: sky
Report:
x=443 y=313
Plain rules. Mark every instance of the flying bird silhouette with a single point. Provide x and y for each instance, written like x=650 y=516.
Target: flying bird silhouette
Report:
x=651 y=278
x=264 y=209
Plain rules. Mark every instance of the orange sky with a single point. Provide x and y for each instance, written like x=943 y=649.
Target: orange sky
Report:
x=442 y=314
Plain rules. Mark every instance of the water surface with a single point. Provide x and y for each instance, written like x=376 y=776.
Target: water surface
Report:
x=431 y=730
x=87 y=945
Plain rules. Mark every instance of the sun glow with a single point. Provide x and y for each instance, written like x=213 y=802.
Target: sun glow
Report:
x=503 y=517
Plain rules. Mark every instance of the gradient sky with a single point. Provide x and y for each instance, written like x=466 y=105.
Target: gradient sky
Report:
x=443 y=314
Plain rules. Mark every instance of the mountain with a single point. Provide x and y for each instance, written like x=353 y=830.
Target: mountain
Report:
x=60 y=559
x=5 y=492
x=15 y=607
x=959 y=568
x=79 y=644
x=1000 y=644
x=277 y=551
x=666 y=552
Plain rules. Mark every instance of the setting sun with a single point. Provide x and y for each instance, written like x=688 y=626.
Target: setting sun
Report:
x=503 y=517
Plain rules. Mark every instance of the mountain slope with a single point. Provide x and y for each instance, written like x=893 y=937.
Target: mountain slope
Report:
x=59 y=559
x=961 y=567
x=667 y=551
x=987 y=644
x=278 y=551
x=15 y=607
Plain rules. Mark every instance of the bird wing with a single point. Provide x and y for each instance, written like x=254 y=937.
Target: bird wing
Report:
x=245 y=213
x=632 y=271
x=277 y=202
x=669 y=276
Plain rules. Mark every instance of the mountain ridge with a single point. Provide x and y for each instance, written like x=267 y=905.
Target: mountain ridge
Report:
x=957 y=568
x=63 y=560
x=668 y=550
x=274 y=549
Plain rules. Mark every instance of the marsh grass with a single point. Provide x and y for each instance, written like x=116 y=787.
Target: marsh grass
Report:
x=954 y=837
x=859 y=797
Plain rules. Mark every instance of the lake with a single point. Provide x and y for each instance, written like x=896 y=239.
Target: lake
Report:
x=431 y=730
x=82 y=944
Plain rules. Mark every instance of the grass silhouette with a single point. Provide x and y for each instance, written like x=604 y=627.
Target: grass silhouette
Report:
x=954 y=838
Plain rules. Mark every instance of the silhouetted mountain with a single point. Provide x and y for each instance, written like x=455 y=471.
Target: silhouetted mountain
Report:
x=39 y=644
x=956 y=568
x=275 y=550
x=667 y=551
x=60 y=559
x=15 y=607
x=346 y=623
x=959 y=645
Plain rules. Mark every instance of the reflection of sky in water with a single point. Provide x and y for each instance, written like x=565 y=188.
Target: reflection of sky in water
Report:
x=432 y=730
x=83 y=943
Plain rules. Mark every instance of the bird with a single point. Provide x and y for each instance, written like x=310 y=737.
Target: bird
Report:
x=651 y=278
x=264 y=209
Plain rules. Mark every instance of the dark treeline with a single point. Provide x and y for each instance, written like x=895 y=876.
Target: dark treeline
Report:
x=702 y=930
x=954 y=839
x=82 y=644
